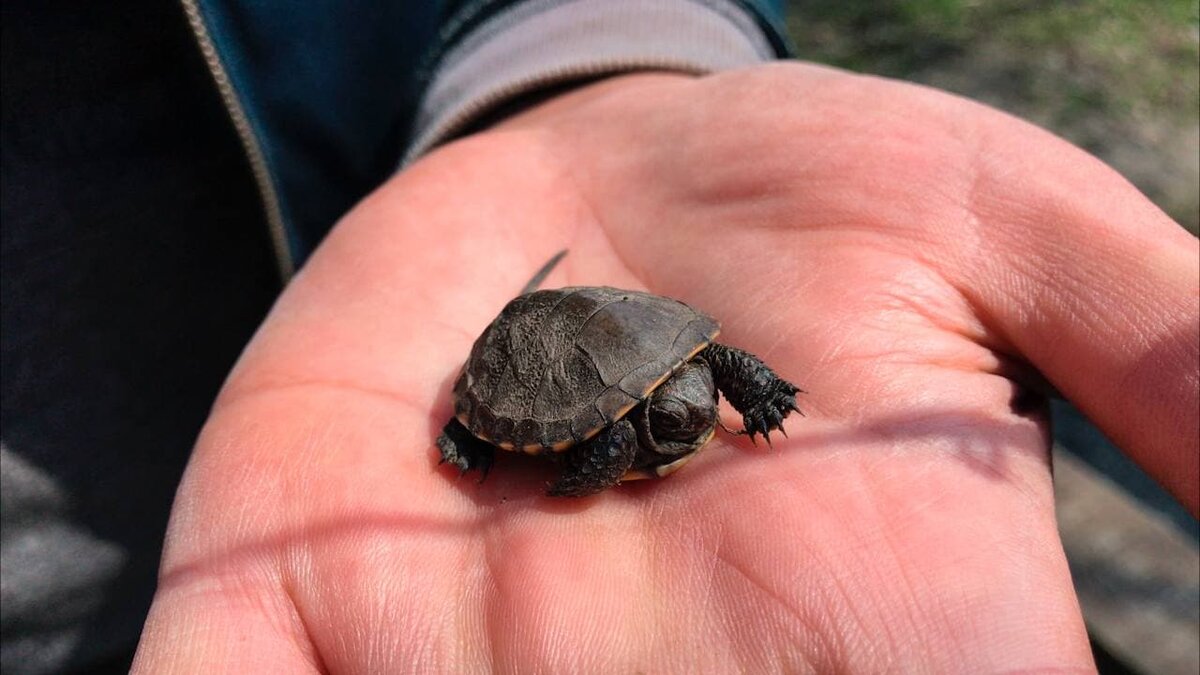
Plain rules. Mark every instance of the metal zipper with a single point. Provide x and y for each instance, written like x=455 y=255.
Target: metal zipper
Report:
x=250 y=144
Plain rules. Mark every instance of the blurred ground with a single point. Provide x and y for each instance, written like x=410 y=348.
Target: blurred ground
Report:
x=1120 y=78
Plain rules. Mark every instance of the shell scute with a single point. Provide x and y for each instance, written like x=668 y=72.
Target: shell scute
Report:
x=557 y=366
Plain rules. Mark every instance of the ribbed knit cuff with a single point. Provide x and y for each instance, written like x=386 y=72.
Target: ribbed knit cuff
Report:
x=547 y=43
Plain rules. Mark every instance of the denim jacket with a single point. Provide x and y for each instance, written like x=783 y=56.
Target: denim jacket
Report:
x=328 y=95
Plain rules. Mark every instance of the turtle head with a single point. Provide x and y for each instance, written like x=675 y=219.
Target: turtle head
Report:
x=682 y=412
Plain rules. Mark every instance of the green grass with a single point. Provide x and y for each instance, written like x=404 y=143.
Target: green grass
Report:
x=1120 y=78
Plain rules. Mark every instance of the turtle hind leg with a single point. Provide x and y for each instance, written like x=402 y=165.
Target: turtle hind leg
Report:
x=462 y=449
x=597 y=464
x=763 y=398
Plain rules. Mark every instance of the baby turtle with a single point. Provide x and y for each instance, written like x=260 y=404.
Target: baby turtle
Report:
x=611 y=384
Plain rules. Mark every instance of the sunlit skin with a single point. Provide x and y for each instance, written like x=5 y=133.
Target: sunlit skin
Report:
x=903 y=255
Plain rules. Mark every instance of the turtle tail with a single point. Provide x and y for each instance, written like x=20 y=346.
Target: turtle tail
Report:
x=543 y=273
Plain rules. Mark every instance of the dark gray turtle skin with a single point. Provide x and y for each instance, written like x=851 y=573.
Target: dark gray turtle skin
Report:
x=610 y=384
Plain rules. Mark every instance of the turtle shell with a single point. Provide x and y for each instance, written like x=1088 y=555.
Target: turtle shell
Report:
x=557 y=366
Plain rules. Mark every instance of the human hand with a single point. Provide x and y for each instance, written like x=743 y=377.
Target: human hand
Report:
x=897 y=252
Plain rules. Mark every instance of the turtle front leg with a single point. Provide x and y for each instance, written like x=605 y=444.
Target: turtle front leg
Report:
x=763 y=398
x=597 y=464
x=462 y=449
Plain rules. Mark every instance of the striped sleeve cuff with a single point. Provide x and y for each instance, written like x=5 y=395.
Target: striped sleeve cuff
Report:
x=542 y=44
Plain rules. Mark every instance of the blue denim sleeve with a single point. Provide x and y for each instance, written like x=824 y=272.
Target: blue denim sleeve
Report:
x=325 y=94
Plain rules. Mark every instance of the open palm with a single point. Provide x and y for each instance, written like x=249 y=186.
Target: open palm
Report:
x=901 y=254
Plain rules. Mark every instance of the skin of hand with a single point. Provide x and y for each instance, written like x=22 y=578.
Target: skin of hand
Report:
x=911 y=259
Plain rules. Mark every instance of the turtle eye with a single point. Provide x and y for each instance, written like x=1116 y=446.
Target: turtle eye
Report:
x=670 y=418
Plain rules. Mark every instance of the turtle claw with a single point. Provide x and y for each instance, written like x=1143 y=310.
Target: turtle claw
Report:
x=481 y=466
x=769 y=414
x=763 y=398
x=460 y=448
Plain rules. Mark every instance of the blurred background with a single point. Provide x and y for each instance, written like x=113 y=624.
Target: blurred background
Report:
x=1121 y=79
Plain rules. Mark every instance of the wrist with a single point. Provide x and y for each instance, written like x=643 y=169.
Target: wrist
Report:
x=568 y=102
x=509 y=53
